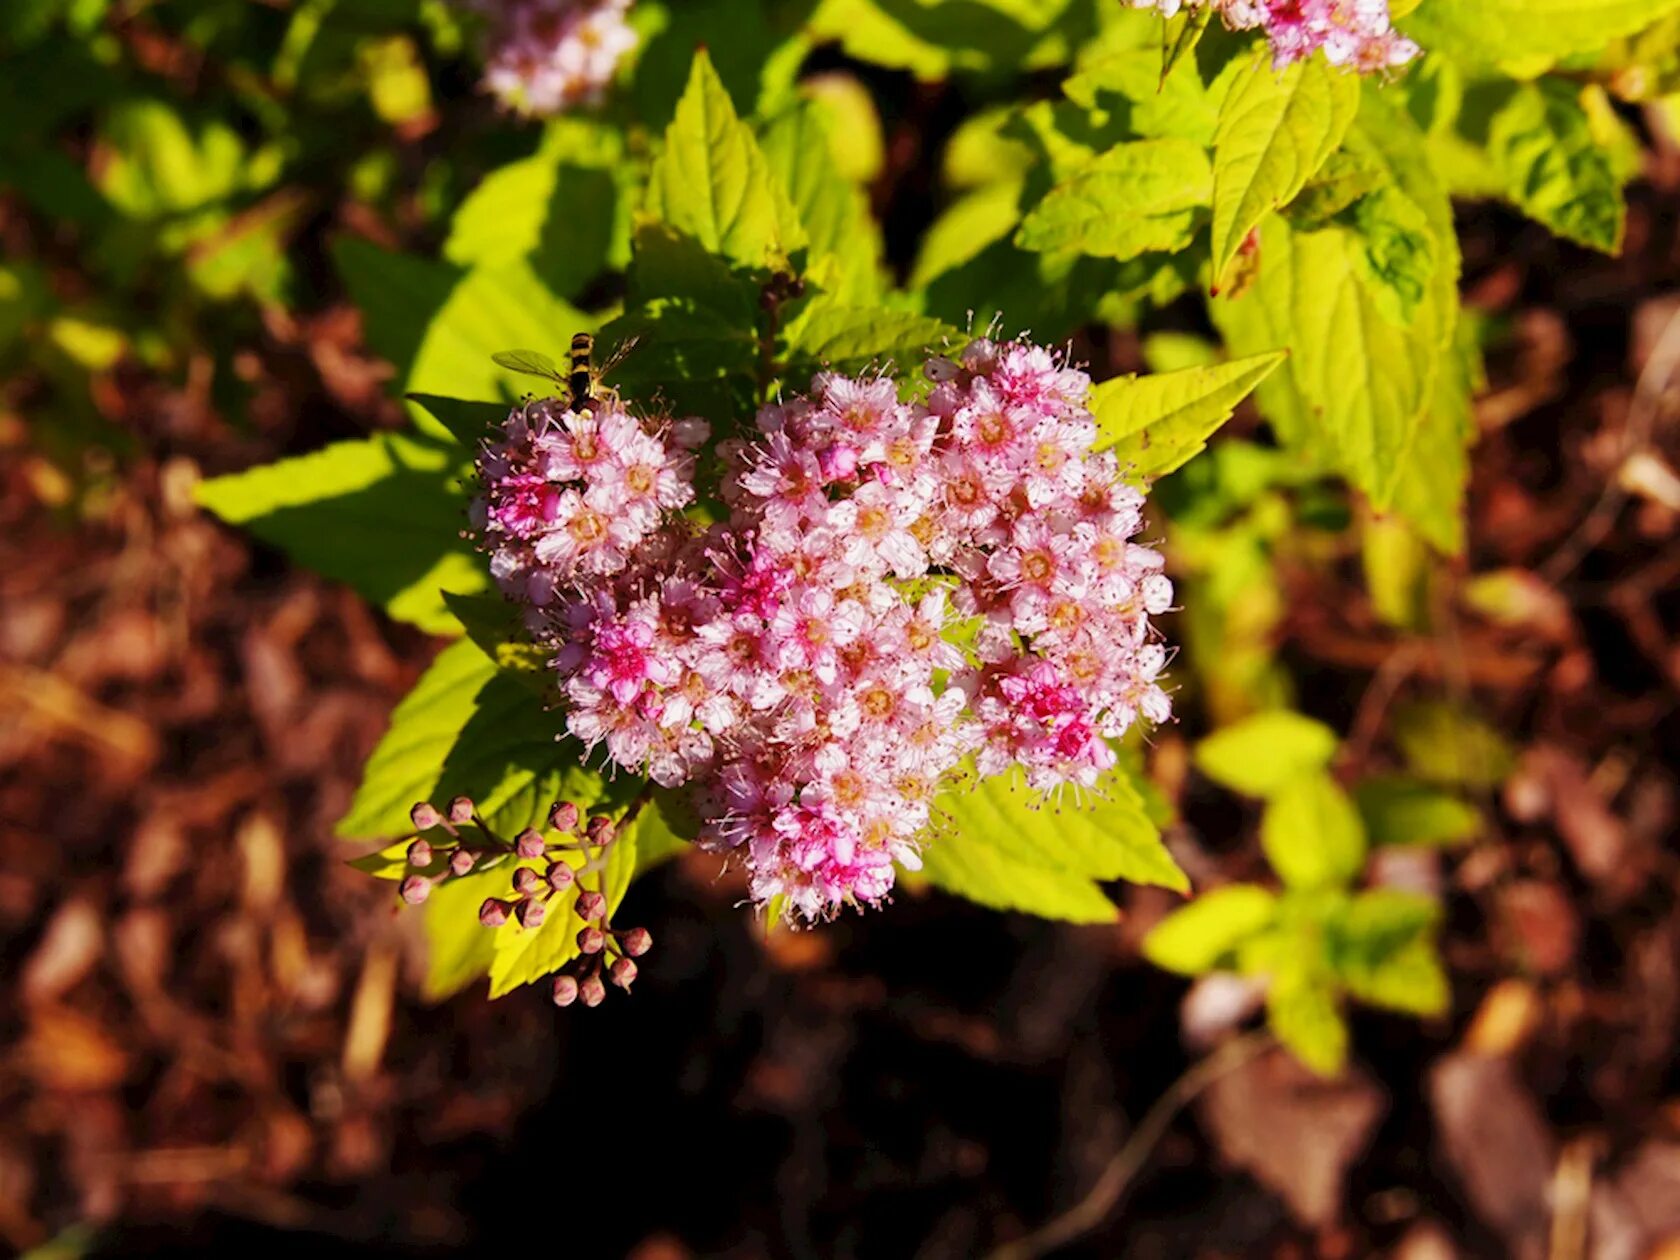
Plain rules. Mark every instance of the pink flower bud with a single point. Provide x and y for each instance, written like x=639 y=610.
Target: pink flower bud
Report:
x=493 y=913
x=415 y=889
x=838 y=462
x=591 y=905
x=531 y=913
x=691 y=433
x=424 y=817
x=529 y=844
x=419 y=854
x=637 y=941
x=940 y=369
x=461 y=809
x=592 y=991
x=560 y=877
x=623 y=973
x=591 y=940
x=565 y=990
x=600 y=829
x=564 y=816
x=525 y=881
x=462 y=861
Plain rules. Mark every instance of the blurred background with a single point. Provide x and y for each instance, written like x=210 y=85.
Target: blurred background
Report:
x=211 y=1033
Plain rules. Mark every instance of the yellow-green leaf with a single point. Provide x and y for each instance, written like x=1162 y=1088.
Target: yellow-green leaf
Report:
x=1275 y=132
x=1204 y=935
x=1156 y=423
x=1312 y=834
x=1263 y=753
x=1135 y=198
x=712 y=180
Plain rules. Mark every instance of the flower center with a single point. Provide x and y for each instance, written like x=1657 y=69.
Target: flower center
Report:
x=589 y=527
x=1066 y=615
x=878 y=702
x=1037 y=566
x=872 y=522
x=849 y=789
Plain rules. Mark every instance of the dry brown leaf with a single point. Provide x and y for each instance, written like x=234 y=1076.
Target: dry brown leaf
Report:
x=1497 y=1141
x=1295 y=1132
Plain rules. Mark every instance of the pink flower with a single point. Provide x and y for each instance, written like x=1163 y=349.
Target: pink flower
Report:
x=543 y=57
x=788 y=477
x=992 y=429
x=810 y=629
x=641 y=482
x=620 y=660
x=917 y=633
x=1036 y=564
x=864 y=415
x=584 y=539
x=1353 y=33
x=874 y=528
x=805 y=666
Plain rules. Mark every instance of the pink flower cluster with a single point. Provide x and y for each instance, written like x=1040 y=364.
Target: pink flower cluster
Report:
x=901 y=591
x=543 y=57
x=1354 y=33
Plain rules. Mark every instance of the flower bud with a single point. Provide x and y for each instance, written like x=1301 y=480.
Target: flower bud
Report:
x=591 y=905
x=591 y=940
x=691 y=433
x=531 y=913
x=424 y=816
x=493 y=913
x=565 y=990
x=525 y=881
x=940 y=369
x=623 y=973
x=637 y=941
x=461 y=862
x=461 y=809
x=600 y=829
x=415 y=889
x=592 y=991
x=560 y=877
x=564 y=816
x=837 y=462
x=529 y=844
x=419 y=854
x=542 y=413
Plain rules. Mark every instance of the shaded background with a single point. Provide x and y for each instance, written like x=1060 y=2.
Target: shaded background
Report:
x=209 y=1027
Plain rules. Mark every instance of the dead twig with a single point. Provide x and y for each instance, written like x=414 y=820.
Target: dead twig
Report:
x=1645 y=410
x=1091 y=1211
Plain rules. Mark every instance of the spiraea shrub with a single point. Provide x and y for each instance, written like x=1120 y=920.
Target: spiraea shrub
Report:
x=857 y=573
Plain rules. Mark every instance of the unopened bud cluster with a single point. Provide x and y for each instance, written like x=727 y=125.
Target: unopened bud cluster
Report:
x=465 y=842
x=900 y=590
x=1356 y=33
x=549 y=866
x=543 y=57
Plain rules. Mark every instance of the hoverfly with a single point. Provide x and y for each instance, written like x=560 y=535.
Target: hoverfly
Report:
x=584 y=380
x=581 y=380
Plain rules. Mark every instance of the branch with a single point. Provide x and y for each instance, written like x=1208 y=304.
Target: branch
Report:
x=1091 y=1211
